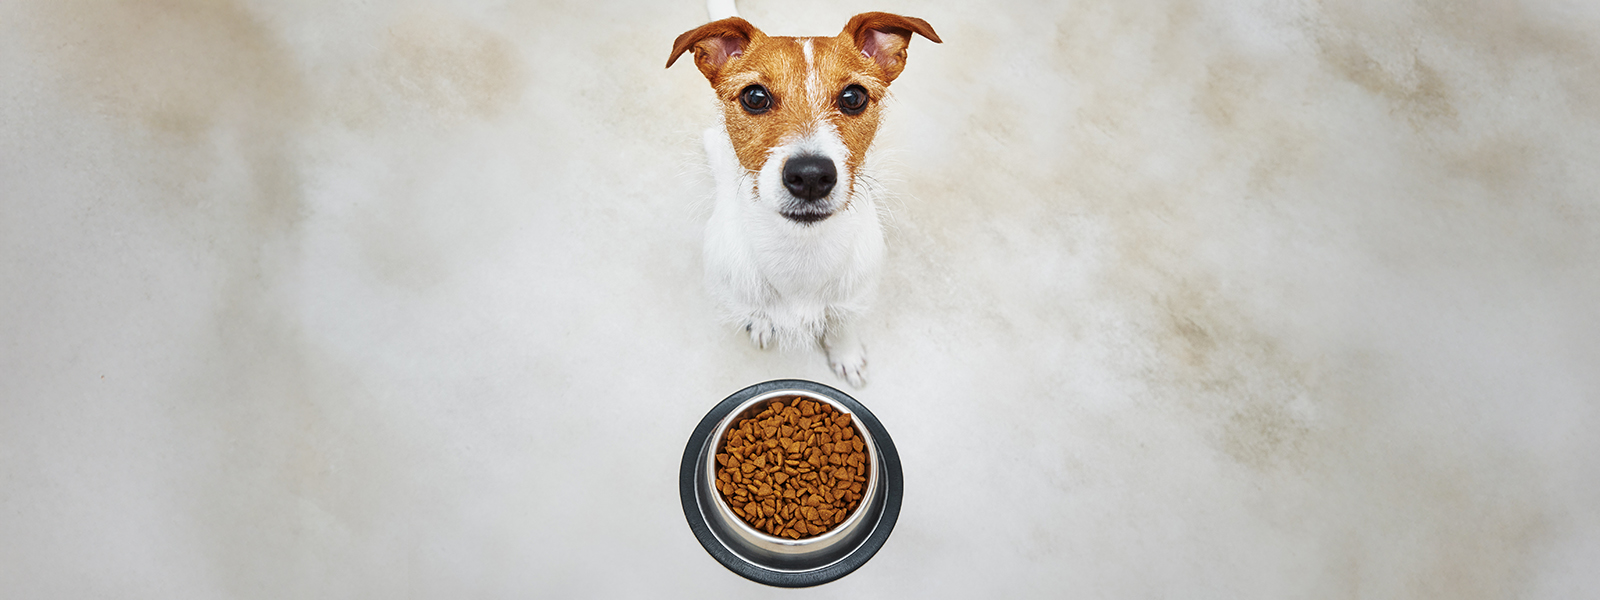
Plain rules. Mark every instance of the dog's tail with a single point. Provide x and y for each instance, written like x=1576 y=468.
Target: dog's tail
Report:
x=718 y=10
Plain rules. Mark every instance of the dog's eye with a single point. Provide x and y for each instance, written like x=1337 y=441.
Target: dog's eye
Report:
x=853 y=100
x=755 y=100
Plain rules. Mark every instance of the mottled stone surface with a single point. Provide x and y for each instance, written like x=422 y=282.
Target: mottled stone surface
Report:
x=1183 y=300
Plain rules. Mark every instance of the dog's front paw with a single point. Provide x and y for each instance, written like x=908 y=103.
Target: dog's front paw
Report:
x=761 y=332
x=850 y=364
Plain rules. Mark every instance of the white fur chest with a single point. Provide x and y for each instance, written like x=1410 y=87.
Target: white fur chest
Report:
x=827 y=261
x=797 y=276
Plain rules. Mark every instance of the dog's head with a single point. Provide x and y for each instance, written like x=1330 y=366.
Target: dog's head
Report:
x=801 y=112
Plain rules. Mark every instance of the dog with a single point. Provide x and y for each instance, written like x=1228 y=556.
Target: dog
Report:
x=794 y=243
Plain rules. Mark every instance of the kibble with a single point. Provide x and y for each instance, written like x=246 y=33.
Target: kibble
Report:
x=794 y=470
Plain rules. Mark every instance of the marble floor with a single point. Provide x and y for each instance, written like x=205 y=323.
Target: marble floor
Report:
x=1189 y=299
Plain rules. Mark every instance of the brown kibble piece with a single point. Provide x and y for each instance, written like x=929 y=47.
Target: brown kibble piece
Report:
x=795 y=469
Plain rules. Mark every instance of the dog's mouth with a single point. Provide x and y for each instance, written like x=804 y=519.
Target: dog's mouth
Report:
x=805 y=218
x=808 y=213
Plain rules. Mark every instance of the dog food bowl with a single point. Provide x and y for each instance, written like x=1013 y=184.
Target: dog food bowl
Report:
x=783 y=562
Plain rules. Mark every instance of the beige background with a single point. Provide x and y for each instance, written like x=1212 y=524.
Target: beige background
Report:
x=1184 y=300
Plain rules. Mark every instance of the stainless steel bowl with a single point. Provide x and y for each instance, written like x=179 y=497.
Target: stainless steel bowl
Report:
x=781 y=554
x=778 y=561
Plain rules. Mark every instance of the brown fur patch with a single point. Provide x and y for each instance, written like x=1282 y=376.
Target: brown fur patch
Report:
x=734 y=55
x=779 y=64
x=884 y=37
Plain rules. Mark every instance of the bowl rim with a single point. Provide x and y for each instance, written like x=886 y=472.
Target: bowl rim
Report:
x=805 y=544
x=881 y=522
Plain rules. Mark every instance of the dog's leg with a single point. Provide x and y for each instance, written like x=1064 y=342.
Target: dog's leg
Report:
x=847 y=356
x=761 y=331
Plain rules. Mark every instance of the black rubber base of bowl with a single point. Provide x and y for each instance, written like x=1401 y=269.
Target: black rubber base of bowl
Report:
x=882 y=523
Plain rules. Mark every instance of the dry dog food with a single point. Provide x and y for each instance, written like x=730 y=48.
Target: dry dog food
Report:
x=795 y=470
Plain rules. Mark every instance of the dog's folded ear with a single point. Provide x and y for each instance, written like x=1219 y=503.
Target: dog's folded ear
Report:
x=714 y=44
x=884 y=37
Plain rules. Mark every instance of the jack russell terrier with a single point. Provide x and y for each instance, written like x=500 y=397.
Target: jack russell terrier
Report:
x=793 y=246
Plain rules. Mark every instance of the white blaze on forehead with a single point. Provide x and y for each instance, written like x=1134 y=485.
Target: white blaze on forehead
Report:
x=813 y=78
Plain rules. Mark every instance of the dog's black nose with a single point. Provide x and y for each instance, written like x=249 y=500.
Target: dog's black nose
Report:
x=809 y=177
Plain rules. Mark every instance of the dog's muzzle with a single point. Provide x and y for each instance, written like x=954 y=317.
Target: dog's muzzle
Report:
x=809 y=178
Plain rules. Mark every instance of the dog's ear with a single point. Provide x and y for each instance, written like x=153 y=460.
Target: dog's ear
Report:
x=883 y=38
x=714 y=44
